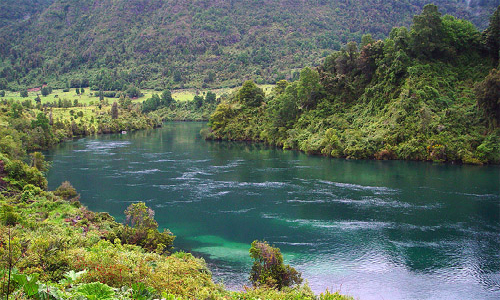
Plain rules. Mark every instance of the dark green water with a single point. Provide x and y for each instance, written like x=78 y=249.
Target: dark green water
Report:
x=373 y=229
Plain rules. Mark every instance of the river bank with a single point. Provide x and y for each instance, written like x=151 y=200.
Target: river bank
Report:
x=353 y=225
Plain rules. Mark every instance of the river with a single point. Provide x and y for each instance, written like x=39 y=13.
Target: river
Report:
x=371 y=229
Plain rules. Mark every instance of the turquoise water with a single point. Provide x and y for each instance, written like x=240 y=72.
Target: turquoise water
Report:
x=371 y=229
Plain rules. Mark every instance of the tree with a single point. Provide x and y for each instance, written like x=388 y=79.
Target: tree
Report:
x=124 y=101
x=492 y=35
x=309 y=89
x=114 y=110
x=177 y=76
x=280 y=87
x=151 y=104
x=138 y=215
x=38 y=161
x=250 y=94
x=488 y=97
x=210 y=77
x=268 y=267
x=40 y=121
x=142 y=229
x=210 y=97
x=222 y=115
x=77 y=90
x=2 y=93
x=45 y=91
x=133 y=92
x=427 y=33
x=67 y=192
x=198 y=101
x=366 y=39
x=166 y=98
x=284 y=110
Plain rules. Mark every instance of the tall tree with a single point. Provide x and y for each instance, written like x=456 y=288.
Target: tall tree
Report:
x=114 y=110
x=166 y=98
x=250 y=94
x=427 y=33
x=492 y=35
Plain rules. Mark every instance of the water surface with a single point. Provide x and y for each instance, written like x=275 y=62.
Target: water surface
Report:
x=373 y=229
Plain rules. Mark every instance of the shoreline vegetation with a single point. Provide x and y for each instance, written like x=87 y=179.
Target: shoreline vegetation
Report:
x=427 y=94
x=53 y=247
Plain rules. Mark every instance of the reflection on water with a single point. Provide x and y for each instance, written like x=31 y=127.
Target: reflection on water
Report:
x=375 y=229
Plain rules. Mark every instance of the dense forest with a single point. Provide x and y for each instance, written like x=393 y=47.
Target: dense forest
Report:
x=110 y=45
x=427 y=93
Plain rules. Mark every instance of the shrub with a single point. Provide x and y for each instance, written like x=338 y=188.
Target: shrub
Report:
x=95 y=291
x=8 y=216
x=29 y=192
x=67 y=191
x=21 y=174
x=268 y=268
x=141 y=229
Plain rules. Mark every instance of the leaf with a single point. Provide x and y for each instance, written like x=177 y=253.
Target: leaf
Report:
x=28 y=283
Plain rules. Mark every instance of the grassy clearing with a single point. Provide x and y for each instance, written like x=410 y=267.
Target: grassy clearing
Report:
x=89 y=97
x=188 y=94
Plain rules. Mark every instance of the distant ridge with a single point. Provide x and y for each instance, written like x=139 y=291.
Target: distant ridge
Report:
x=200 y=43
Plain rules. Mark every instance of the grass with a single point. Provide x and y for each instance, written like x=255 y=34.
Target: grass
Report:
x=89 y=97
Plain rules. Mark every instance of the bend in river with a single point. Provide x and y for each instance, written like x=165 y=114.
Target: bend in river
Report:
x=374 y=229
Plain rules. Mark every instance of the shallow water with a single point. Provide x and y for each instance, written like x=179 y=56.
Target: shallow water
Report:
x=373 y=229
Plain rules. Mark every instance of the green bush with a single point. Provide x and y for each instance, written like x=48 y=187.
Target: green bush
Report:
x=268 y=268
x=95 y=291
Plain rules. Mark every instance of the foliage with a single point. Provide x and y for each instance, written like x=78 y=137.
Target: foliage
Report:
x=210 y=43
x=492 y=35
x=67 y=191
x=114 y=111
x=488 y=97
x=142 y=229
x=250 y=94
x=268 y=267
x=38 y=161
x=19 y=174
x=95 y=291
x=88 y=254
x=8 y=216
x=410 y=96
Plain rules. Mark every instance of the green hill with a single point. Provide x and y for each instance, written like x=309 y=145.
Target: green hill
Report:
x=201 y=43
x=428 y=93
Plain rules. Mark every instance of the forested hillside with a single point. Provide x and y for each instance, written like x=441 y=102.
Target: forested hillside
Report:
x=201 y=43
x=428 y=93
x=14 y=11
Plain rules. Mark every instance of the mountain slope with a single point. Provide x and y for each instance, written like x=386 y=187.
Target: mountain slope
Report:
x=161 y=43
x=14 y=11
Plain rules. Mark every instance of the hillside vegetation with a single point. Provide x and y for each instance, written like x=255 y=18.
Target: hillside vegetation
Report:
x=428 y=93
x=111 y=44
